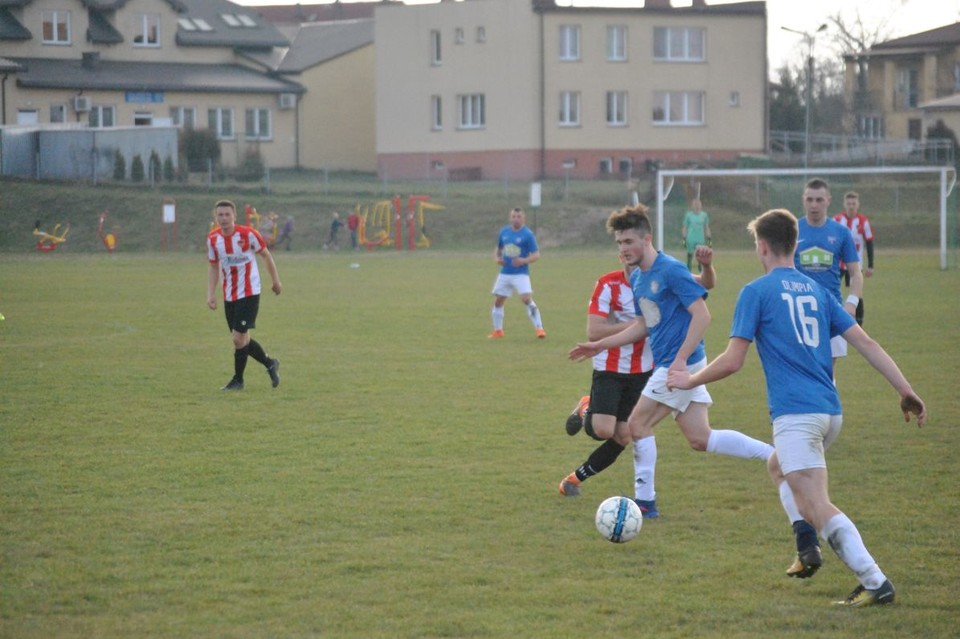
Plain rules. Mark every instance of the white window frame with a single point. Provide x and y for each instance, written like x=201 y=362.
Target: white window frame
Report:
x=678 y=108
x=258 y=124
x=679 y=44
x=178 y=115
x=472 y=111
x=99 y=114
x=436 y=113
x=148 y=22
x=436 y=50
x=616 y=43
x=569 y=108
x=569 y=42
x=143 y=118
x=222 y=122
x=58 y=113
x=56 y=19
x=617 y=108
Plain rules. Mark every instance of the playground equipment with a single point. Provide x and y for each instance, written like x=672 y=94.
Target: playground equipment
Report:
x=47 y=242
x=109 y=239
x=375 y=222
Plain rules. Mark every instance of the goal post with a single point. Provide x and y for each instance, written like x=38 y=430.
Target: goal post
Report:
x=885 y=186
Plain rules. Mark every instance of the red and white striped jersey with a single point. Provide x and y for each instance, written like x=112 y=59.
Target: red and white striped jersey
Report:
x=860 y=229
x=236 y=255
x=612 y=296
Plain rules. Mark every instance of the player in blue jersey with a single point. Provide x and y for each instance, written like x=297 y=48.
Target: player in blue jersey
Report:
x=671 y=310
x=823 y=244
x=516 y=250
x=792 y=319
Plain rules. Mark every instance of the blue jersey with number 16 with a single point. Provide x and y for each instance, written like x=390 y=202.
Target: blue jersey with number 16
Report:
x=792 y=318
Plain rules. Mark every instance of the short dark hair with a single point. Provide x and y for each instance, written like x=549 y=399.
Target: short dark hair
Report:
x=225 y=203
x=851 y=194
x=817 y=183
x=630 y=217
x=778 y=228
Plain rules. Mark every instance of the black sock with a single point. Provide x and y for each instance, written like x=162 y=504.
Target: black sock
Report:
x=239 y=362
x=257 y=353
x=604 y=455
x=806 y=535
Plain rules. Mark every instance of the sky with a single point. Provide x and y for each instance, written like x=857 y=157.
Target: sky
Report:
x=895 y=18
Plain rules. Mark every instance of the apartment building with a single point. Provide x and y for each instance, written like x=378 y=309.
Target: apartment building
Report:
x=526 y=88
x=901 y=87
x=114 y=63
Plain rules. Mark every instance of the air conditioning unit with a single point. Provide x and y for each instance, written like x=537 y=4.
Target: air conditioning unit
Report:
x=288 y=100
x=82 y=103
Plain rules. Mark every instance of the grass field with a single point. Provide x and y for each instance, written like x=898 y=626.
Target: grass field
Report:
x=401 y=482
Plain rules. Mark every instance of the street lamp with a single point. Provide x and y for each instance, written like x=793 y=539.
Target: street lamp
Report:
x=809 y=38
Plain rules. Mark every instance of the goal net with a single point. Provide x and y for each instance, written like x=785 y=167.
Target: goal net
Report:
x=908 y=207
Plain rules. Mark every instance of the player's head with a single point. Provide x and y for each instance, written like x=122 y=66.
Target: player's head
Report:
x=696 y=205
x=225 y=213
x=777 y=228
x=851 y=203
x=631 y=229
x=816 y=201
x=517 y=218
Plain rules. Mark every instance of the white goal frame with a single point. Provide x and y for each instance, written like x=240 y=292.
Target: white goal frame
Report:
x=946 y=187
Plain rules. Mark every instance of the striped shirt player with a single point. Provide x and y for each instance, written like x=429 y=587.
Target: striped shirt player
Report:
x=859 y=226
x=232 y=252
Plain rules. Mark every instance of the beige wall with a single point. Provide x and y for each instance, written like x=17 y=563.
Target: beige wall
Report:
x=337 y=113
x=506 y=70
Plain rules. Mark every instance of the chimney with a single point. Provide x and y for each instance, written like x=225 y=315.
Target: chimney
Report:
x=699 y=4
x=90 y=60
x=657 y=4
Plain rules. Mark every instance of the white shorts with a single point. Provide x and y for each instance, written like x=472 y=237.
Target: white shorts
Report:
x=838 y=346
x=801 y=440
x=656 y=389
x=507 y=284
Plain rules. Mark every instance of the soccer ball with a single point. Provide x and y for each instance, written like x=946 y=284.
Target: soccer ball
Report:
x=619 y=519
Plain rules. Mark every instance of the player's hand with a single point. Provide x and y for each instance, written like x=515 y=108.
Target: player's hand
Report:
x=583 y=351
x=679 y=379
x=704 y=255
x=911 y=403
x=212 y=303
x=867 y=272
x=276 y=288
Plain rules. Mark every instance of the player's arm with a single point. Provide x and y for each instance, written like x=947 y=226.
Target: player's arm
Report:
x=498 y=255
x=272 y=269
x=856 y=287
x=724 y=365
x=213 y=276
x=600 y=326
x=867 y=272
x=709 y=234
x=529 y=259
x=910 y=402
x=707 y=276
x=699 y=321
x=632 y=332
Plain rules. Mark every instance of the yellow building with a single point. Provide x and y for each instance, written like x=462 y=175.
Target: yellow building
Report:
x=526 y=88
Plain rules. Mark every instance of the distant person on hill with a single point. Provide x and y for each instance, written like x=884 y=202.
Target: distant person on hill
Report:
x=286 y=233
x=333 y=240
x=353 y=225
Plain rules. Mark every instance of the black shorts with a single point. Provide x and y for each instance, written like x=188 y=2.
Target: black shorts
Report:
x=616 y=393
x=242 y=314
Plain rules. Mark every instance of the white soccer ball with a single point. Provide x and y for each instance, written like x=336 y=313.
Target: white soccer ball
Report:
x=619 y=519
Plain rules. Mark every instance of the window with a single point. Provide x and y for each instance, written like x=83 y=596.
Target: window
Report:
x=102 y=116
x=606 y=166
x=436 y=113
x=221 y=122
x=956 y=77
x=908 y=88
x=678 y=107
x=616 y=43
x=458 y=35
x=678 y=44
x=734 y=98
x=436 y=57
x=617 y=108
x=481 y=34
x=183 y=117
x=257 y=124
x=238 y=20
x=142 y=118
x=58 y=113
x=148 y=31
x=871 y=127
x=194 y=24
x=472 y=111
x=625 y=165
x=569 y=42
x=569 y=108
x=56 y=27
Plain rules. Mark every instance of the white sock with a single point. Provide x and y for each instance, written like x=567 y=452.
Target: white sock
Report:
x=497 y=318
x=844 y=538
x=644 y=465
x=788 y=502
x=736 y=444
x=534 y=314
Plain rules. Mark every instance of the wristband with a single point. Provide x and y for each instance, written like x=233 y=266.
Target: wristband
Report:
x=853 y=299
